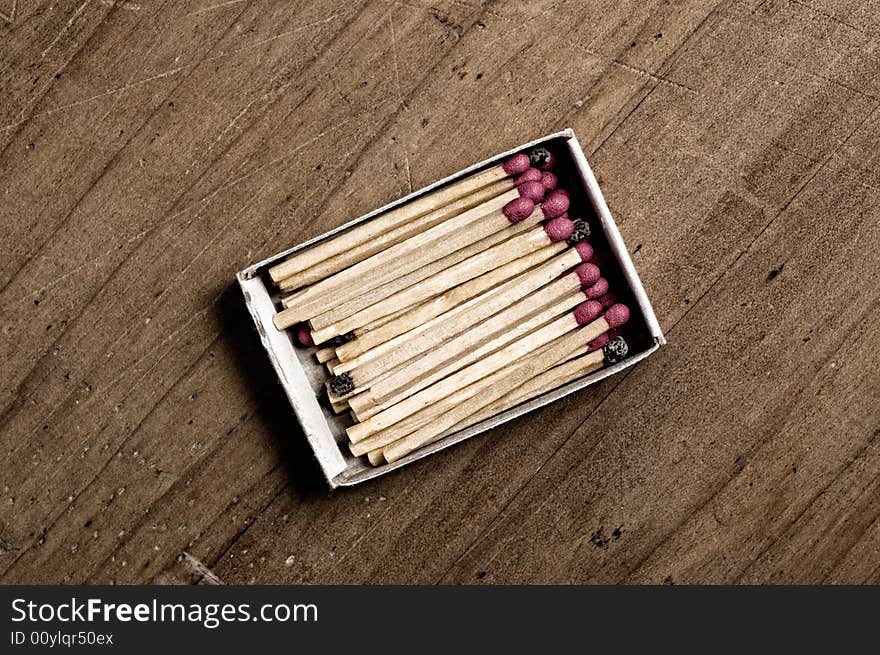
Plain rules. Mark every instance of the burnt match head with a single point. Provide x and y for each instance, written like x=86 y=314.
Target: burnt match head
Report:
x=556 y=203
x=534 y=191
x=588 y=274
x=549 y=180
x=585 y=250
x=587 y=312
x=581 y=231
x=529 y=175
x=598 y=289
x=304 y=336
x=602 y=339
x=517 y=164
x=615 y=350
x=341 y=384
x=541 y=157
x=518 y=210
x=341 y=339
x=559 y=229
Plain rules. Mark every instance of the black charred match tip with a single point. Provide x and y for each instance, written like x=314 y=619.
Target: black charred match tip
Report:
x=580 y=233
x=341 y=384
x=342 y=339
x=539 y=157
x=615 y=350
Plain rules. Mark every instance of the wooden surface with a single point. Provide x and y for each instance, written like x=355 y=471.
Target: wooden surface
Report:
x=151 y=149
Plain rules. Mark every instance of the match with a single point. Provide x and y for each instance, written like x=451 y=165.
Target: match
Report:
x=494 y=203
x=553 y=232
x=331 y=249
x=551 y=301
x=417 y=419
x=610 y=351
x=444 y=302
x=393 y=286
x=586 y=314
x=324 y=355
x=517 y=375
x=418 y=277
x=389 y=336
x=472 y=312
x=430 y=245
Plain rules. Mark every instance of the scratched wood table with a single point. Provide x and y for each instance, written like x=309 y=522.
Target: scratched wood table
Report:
x=152 y=149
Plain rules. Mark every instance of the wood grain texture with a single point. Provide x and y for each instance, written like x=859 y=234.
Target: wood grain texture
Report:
x=150 y=150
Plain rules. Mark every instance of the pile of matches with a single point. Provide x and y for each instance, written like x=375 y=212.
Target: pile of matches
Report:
x=453 y=307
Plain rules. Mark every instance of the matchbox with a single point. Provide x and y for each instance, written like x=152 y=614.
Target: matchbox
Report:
x=305 y=379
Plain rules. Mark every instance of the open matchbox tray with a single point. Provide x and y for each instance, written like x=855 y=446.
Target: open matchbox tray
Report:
x=303 y=378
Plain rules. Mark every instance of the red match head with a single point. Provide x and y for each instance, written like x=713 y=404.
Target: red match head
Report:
x=564 y=192
x=534 y=191
x=549 y=180
x=555 y=204
x=559 y=229
x=517 y=164
x=518 y=210
x=585 y=250
x=616 y=315
x=588 y=274
x=608 y=299
x=598 y=342
x=599 y=289
x=587 y=312
x=304 y=336
x=530 y=175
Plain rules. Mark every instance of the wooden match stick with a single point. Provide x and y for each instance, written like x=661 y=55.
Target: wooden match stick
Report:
x=339 y=407
x=372 y=229
x=391 y=335
x=413 y=253
x=419 y=284
x=403 y=281
x=389 y=390
x=324 y=355
x=558 y=297
x=493 y=204
x=424 y=416
x=417 y=419
x=423 y=248
x=472 y=312
x=515 y=377
x=575 y=366
x=392 y=237
x=585 y=314
x=444 y=302
x=388 y=256
x=554 y=377
x=445 y=405
x=376 y=457
x=554 y=232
